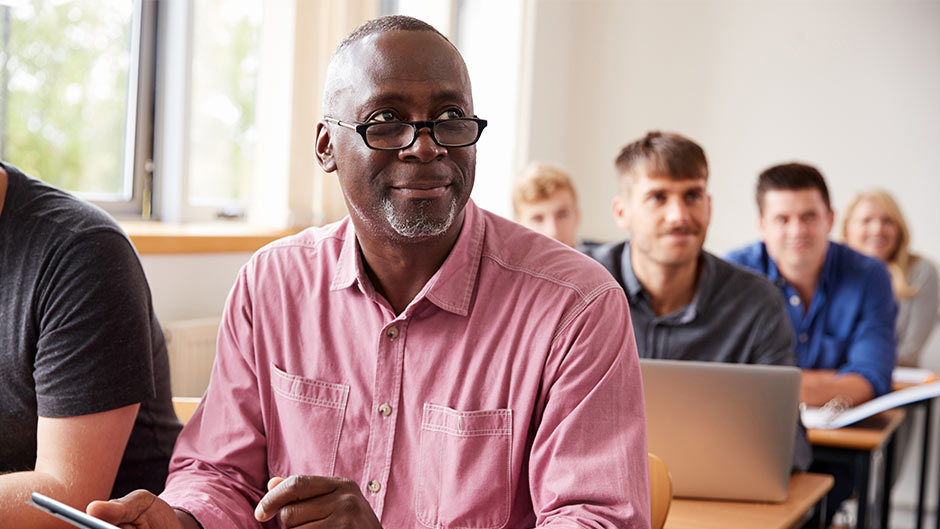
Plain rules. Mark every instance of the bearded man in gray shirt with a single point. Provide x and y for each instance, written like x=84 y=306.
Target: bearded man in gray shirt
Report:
x=685 y=303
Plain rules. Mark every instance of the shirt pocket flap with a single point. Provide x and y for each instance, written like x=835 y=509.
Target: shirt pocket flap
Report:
x=308 y=390
x=466 y=423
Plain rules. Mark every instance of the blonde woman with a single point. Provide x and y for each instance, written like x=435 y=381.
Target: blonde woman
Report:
x=874 y=226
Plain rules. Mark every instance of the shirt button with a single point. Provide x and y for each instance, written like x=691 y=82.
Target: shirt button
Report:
x=795 y=300
x=804 y=337
x=374 y=486
x=385 y=410
x=392 y=333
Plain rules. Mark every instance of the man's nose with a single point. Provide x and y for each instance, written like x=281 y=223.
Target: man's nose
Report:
x=550 y=228
x=677 y=212
x=798 y=228
x=424 y=148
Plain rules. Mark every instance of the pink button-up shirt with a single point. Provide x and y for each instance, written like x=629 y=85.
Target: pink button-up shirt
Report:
x=507 y=394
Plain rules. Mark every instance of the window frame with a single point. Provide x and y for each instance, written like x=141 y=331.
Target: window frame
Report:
x=139 y=117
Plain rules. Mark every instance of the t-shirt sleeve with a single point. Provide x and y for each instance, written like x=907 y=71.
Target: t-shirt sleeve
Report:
x=95 y=329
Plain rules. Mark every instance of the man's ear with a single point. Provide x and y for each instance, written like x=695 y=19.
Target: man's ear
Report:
x=830 y=219
x=325 y=147
x=620 y=209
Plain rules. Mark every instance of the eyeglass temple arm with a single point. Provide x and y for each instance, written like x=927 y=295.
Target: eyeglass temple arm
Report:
x=340 y=123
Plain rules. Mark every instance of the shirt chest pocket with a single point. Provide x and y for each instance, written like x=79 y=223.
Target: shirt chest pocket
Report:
x=464 y=468
x=304 y=425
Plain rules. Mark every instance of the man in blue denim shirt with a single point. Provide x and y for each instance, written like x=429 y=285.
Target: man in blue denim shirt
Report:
x=840 y=302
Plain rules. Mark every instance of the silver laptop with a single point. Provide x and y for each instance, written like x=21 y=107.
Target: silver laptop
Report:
x=725 y=431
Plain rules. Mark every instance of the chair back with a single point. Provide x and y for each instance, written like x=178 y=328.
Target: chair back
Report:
x=660 y=492
x=184 y=407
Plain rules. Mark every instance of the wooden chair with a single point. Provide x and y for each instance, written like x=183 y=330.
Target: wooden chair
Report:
x=660 y=492
x=184 y=407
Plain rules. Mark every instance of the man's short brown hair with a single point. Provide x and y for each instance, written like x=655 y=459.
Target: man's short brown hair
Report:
x=662 y=154
x=791 y=177
x=538 y=181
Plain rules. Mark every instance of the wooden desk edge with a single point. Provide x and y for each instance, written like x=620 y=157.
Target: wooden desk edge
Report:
x=805 y=490
x=859 y=436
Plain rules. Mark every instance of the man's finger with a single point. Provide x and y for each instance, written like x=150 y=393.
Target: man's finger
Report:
x=123 y=510
x=292 y=490
x=273 y=482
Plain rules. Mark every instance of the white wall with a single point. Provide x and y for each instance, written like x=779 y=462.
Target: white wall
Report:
x=852 y=87
x=191 y=286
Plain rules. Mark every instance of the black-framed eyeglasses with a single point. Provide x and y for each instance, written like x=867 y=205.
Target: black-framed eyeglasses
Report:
x=396 y=135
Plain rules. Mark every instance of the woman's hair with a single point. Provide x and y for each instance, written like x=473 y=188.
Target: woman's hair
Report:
x=900 y=260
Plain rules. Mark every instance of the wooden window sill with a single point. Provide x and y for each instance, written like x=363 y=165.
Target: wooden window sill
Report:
x=158 y=238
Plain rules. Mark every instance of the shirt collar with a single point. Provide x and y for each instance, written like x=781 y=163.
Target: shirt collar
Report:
x=450 y=288
x=348 y=265
x=637 y=294
x=634 y=288
x=774 y=275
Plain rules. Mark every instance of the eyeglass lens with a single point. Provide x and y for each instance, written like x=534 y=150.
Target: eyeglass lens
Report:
x=449 y=133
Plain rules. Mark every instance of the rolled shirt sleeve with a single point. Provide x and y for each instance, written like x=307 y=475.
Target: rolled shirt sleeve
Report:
x=872 y=345
x=219 y=469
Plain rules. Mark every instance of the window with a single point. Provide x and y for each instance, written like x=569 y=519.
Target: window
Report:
x=69 y=72
x=224 y=80
x=192 y=111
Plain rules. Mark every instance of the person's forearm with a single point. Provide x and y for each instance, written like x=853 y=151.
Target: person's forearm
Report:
x=821 y=386
x=15 y=490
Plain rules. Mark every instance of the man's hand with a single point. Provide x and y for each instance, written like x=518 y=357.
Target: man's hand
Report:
x=140 y=510
x=819 y=386
x=318 y=501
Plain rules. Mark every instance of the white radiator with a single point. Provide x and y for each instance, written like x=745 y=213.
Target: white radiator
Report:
x=191 y=345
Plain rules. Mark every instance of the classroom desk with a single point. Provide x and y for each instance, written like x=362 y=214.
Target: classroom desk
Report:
x=806 y=492
x=855 y=445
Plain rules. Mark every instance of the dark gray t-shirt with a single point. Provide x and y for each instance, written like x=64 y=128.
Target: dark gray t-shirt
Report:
x=78 y=334
x=735 y=316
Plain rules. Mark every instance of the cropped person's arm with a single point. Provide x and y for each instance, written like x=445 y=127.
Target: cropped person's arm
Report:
x=92 y=369
x=588 y=462
x=77 y=459
x=922 y=316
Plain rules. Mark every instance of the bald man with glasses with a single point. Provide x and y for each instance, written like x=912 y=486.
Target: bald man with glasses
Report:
x=421 y=363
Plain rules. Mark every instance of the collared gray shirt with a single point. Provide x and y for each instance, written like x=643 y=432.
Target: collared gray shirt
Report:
x=735 y=315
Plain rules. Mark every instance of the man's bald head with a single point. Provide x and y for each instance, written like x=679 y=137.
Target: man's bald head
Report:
x=335 y=79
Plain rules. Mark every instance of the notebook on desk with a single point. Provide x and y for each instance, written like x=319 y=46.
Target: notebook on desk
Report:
x=725 y=431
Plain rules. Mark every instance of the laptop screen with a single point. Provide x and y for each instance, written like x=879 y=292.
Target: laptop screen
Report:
x=725 y=431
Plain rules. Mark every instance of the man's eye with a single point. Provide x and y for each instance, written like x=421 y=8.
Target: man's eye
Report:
x=385 y=115
x=450 y=114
